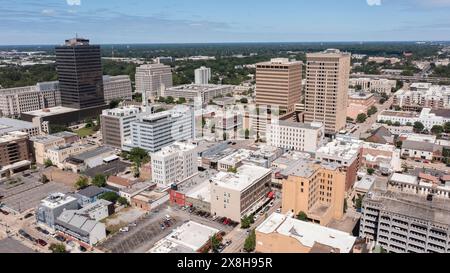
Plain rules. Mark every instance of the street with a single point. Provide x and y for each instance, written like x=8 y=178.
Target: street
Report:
x=367 y=125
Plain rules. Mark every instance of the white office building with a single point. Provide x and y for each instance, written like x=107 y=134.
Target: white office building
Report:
x=428 y=117
x=304 y=137
x=174 y=164
x=153 y=132
x=116 y=125
x=51 y=207
x=153 y=79
x=202 y=75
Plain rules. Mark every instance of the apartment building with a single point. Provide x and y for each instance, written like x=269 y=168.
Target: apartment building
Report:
x=346 y=152
x=14 y=101
x=14 y=148
x=315 y=189
x=202 y=75
x=406 y=222
x=152 y=132
x=327 y=82
x=117 y=88
x=152 y=79
x=233 y=195
x=42 y=143
x=284 y=234
x=279 y=83
x=304 y=137
x=422 y=95
x=174 y=164
x=116 y=125
x=10 y=125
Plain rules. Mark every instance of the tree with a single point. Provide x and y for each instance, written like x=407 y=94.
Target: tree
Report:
x=82 y=183
x=247 y=221
x=181 y=101
x=161 y=99
x=99 y=180
x=232 y=170
x=447 y=127
x=170 y=100
x=372 y=111
x=409 y=124
x=418 y=127
x=123 y=201
x=113 y=104
x=224 y=136
x=139 y=156
x=215 y=243
x=399 y=144
x=358 y=203
x=44 y=179
x=110 y=196
x=244 y=100
x=247 y=133
x=48 y=163
x=397 y=123
x=57 y=248
x=361 y=118
x=437 y=130
x=250 y=242
x=370 y=171
x=302 y=216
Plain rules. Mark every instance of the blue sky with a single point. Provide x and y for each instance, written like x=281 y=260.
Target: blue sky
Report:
x=190 y=21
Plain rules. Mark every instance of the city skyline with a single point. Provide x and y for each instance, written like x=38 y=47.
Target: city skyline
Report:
x=175 y=21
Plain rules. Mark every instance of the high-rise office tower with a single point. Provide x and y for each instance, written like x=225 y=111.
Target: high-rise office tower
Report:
x=327 y=80
x=279 y=83
x=202 y=75
x=79 y=67
x=152 y=79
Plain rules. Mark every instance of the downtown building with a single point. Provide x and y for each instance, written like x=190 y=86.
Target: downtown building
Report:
x=202 y=75
x=327 y=82
x=174 y=164
x=117 y=88
x=152 y=79
x=153 y=132
x=116 y=125
x=402 y=220
x=14 y=153
x=206 y=92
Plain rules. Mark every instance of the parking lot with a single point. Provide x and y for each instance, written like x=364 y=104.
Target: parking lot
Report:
x=11 y=245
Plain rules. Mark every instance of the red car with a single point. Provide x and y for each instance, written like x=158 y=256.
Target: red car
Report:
x=426 y=162
x=41 y=242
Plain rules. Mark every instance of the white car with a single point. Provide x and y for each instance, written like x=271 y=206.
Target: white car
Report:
x=278 y=210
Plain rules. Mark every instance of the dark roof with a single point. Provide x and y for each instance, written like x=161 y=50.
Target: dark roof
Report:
x=421 y=146
x=441 y=112
x=91 y=191
x=381 y=135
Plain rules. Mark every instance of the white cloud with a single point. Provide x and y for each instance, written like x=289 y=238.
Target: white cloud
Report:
x=374 y=2
x=73 y=2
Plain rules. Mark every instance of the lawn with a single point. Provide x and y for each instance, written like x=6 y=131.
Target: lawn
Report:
x=85 y=132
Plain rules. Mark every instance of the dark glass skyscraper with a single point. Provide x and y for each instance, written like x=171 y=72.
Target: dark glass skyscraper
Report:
x=79 y=67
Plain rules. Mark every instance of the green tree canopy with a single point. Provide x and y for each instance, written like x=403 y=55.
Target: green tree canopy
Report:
x=109 y=196
x=250 y=242
x=418 y=127
x=57 y=248
x=99 y=180
x=82 y=182
x=361 y=118
x=302 y=216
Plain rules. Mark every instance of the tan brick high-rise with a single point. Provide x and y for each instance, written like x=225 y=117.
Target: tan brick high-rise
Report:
x=279 y=83
x=327 y=81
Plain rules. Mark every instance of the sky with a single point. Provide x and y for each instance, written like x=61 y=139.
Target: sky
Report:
x=214 y=21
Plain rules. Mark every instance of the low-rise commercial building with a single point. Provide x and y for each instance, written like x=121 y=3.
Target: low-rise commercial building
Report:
x=283 y=234
x=51 y=208
x=116 y=125
x=234 y=194
x=383 y=157
x=379 y=86
x=8 y=125
x=205 y=92
x=43 y=143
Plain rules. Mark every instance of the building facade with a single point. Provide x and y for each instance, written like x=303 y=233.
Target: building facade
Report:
x=152 y=79
x=202 y=75
x=116 y=125
x=117 y=88
x=327 y=82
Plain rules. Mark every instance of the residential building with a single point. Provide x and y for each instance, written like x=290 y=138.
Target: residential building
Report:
x=422 y=95
x=233 y=195
x=116 y=125
x=14 y=101
x=14 y=148
x=428 y=117
x=327 y=81
x=205 y=92
x=11 y=125
x=202 y=75
x=117 y=88
x=305 y=137
x=379 y=86
x=79 y=67
x=283 y=234
x=279 y=83
x=89 y=195
x=421 y=150
x=191 y=237
x=406 y=222
x=318 y=190
x=174 y=164
x=345 y=151
x=80 y=227
x=152 y=79
x=153 y=132
x=51 y=208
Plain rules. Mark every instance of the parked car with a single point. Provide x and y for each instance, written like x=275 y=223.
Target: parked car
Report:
x=60 y=238
x=279 y=210
x=42 y=230
x=41 y=242
x=82 y=249
x=28 y=215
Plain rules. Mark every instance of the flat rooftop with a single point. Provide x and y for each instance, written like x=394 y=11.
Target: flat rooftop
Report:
x=236 y=157
x=51 y=111
x=399 y=114
x=9 y=125
x=201 y=192
x=309 y=126
x=45 y=139
x=189 y=237
x=344 y=149
x=307 y=234
x=57 y=199
x=93 y=153
x=246 y=176
x=198 y=87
